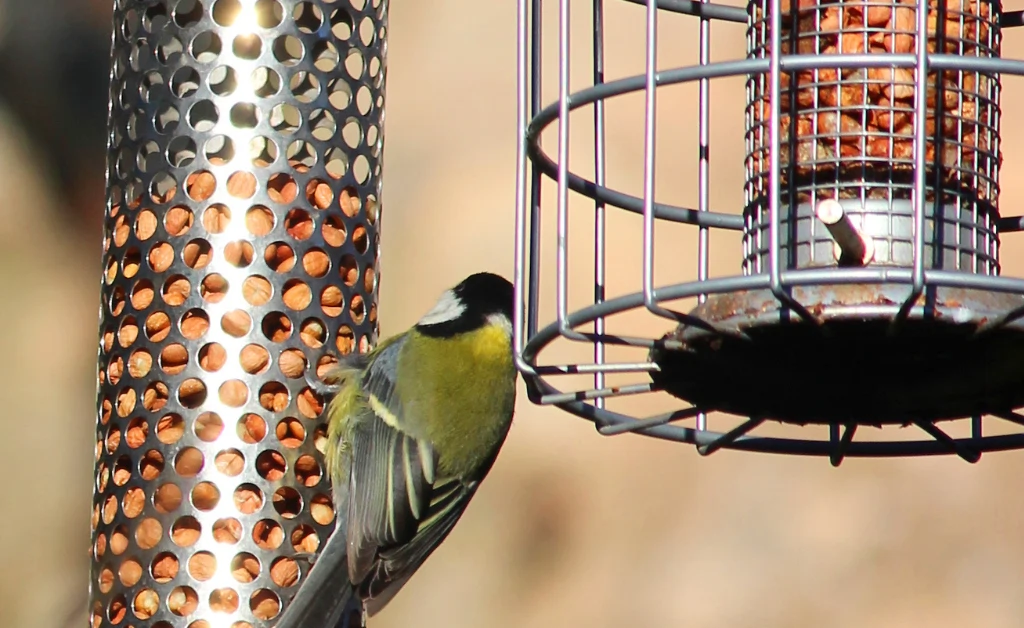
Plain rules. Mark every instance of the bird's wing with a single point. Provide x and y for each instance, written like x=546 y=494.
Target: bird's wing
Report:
x=391 y=470
x=395 y=565
x=388 y=491
x=398 y=510
x=379 y=383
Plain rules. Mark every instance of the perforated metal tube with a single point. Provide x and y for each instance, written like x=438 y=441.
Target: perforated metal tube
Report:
x=240 y=260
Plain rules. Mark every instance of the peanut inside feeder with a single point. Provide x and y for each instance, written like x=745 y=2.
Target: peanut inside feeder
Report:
x=850 y=128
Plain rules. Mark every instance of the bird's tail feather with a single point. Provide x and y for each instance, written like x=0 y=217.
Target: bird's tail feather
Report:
x=326 y=598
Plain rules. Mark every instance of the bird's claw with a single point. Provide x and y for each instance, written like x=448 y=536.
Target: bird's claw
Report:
x=310 y=559
x=319 y=387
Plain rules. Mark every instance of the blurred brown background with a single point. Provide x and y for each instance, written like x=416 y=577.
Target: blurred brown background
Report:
x=572 y=529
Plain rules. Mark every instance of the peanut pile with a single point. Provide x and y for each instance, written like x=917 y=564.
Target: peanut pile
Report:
x=863 y=118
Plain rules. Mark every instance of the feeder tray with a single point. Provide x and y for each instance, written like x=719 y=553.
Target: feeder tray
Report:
x=856 y=366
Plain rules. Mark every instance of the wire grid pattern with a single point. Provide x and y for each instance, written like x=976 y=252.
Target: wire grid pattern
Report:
x=240 y=262
x=966 y=242
x=853 y=136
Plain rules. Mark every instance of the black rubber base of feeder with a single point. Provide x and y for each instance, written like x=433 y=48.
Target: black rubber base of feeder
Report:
x=853 y=367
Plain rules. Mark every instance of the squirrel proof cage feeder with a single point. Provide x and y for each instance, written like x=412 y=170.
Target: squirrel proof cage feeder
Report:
x=870 y=293
x=240 y=255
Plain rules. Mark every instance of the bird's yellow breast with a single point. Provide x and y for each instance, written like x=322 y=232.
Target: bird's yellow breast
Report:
x=463 y=387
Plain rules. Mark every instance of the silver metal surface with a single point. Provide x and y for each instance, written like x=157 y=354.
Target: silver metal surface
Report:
x=600 y=223
x=240 y=262
x=928 y=201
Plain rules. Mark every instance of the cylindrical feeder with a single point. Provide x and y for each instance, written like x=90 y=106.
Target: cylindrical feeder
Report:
x=848 y=134
x=239 y=262
x=871 y=291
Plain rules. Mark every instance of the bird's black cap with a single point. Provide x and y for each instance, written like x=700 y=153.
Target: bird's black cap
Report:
x=490 y=293
x=468 y=305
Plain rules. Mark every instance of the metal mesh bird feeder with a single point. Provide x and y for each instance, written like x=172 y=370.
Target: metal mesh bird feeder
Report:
x=240 y=255
x=866 y=291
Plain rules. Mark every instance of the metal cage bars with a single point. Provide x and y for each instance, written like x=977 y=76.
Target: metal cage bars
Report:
x=534 y=117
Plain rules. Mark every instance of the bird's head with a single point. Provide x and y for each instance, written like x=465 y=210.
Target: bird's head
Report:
x=480 y=299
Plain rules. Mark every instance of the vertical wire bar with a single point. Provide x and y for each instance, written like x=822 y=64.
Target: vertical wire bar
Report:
x=650 y=102
x=650 y=87
x=774 y=88
x=562 y=228
x=920 y=137
x=519 y=255
x=767 y=177
x=774 y=202
x=650 y=90
x=703 y=167
x=599 y=206
x=752 y=143
x=975 y=235
x=536 y=75
x=703 y=164
x=992 y=119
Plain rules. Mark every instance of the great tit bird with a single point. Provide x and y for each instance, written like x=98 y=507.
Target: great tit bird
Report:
x=413 y=429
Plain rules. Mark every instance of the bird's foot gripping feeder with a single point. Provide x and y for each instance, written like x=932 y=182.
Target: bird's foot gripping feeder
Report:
x=871 y=293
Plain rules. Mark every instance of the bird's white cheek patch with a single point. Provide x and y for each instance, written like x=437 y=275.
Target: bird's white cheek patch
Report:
x=447 y=309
